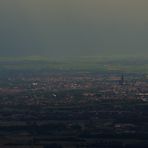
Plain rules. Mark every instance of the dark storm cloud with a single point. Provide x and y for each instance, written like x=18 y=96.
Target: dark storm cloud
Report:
x=73 y=27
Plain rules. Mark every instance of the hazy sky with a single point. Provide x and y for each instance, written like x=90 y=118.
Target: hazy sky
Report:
x=73 y=27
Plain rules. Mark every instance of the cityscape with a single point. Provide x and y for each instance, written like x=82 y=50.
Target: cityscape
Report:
x=73 y=73
x=73 y=109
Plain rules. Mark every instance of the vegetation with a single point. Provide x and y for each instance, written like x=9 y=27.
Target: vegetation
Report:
x=122 y=63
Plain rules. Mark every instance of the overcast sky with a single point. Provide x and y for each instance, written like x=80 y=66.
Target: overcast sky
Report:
x=73 y=27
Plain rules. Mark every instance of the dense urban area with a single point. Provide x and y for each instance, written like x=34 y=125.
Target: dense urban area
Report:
x=73 y=110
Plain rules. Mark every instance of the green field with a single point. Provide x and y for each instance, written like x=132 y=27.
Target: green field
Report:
x=123 y=63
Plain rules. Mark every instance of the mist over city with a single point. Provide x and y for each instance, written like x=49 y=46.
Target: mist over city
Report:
x=56 y=28
x=73 y=74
